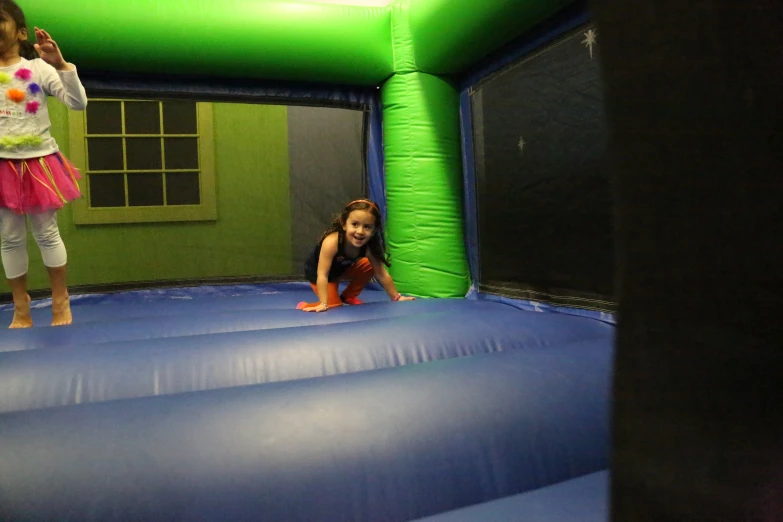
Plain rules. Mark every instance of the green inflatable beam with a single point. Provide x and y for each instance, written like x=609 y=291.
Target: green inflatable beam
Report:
x=271 y=39
x=451 y=35
x=423 y=175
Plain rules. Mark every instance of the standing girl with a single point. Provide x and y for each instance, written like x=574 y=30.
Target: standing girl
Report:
x=35 y=178
x=352 y=248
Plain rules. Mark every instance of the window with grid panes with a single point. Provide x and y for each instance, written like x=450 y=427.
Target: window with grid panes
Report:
x=144 y=160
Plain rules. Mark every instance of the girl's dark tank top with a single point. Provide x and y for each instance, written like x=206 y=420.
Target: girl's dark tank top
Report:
x=340 y=263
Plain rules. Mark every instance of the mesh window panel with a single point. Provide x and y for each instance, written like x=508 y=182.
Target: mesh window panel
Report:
x=107 y=190
x=182 y=188
x=179 y=117
x=143 y=153
x=104 y=117
x=181 y=153
x=326 y=151
x=544 y=195
x=105 y=153
x=145 y=190
x=142 y=117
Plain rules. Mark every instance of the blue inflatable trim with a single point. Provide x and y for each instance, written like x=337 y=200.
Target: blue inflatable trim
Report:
x=375 y=163
x=535 y=306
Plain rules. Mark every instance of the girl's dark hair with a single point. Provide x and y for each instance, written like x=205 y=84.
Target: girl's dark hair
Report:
x=12 y=10
x=377 y=244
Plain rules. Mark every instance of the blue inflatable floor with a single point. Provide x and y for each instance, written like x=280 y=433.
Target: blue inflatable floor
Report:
x=227 y=403
x=583 y=499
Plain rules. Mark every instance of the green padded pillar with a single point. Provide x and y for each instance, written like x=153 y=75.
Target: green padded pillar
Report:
x=423 y=175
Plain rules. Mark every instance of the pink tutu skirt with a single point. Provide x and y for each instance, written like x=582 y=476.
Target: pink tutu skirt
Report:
x=35 y=185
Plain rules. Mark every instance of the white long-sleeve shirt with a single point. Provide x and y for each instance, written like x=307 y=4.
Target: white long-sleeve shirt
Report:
x=24 y=117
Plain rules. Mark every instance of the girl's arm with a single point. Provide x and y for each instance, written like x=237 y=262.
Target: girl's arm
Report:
x=62 y=82
x=328 y=251
x=385 y=279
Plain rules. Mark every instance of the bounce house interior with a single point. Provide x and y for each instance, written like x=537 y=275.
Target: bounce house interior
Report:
x=219 y=141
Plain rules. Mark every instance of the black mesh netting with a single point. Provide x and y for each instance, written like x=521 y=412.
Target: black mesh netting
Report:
x=544 y=197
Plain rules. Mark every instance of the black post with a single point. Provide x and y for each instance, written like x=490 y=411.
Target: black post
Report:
x=694 y=96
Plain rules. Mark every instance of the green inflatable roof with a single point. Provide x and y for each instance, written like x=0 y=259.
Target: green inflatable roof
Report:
x=336 y=41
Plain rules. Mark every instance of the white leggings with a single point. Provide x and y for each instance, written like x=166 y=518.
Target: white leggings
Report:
x=13 y=241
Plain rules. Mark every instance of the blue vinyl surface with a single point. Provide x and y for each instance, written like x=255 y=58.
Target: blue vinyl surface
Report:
x=152 y=317
x=178 y=301
x=384 y=445
x=583 y=499
x=226 y=403
x=89 y=372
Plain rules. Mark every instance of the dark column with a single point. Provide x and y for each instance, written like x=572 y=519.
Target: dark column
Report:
x=694 y=95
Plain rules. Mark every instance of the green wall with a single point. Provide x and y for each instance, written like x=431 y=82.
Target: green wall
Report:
x=250 y=237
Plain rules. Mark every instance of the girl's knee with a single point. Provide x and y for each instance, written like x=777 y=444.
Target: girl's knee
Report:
x=13 y=238
x=13 y=241
x=45 y=230
x=13 y=230
x=363 y=265
x=48 y=239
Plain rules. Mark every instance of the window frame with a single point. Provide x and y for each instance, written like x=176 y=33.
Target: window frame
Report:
x=85 y=214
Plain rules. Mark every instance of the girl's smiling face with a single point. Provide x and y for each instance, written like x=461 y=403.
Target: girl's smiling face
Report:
x=359 y=227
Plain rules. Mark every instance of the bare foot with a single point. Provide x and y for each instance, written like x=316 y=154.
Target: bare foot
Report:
x=22 y=317
x=61 y=311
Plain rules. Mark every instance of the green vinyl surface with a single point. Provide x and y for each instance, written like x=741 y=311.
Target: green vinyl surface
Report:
x=272 y=39
x=424 y=185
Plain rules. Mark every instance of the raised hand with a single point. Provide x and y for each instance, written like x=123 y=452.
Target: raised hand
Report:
x=49 y=51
